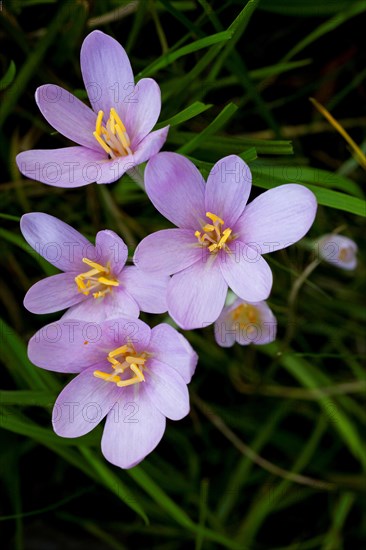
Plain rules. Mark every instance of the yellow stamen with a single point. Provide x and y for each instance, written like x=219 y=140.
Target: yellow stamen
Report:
x=214 y=234
x=98 y=276
x=117 y=119
x=112 y=137
x=102 y=143
x=98 y=124
x=123 y=359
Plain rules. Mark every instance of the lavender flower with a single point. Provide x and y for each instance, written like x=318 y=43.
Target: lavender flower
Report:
x=219 y=240
x=245 y=323
x=338 y=250
x=113 y=137
x=95 y=284
x=133 y=375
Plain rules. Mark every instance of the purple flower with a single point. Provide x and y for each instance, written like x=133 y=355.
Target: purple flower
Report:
x=133 y=375
x=113 y=137
x=338 y=250
x=219 y=240
x=245 y=323
x=95 y=284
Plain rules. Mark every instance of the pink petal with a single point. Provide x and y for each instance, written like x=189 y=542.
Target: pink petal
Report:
x=167 y=390
x=141 y=110
x=170 y=347
x=110 y=248
x=168 y=251
x=82 y=404
x=197 y=295
x=53 y=294
x=106 y=71
x=227 y=189
x=113 y=305
x=68 y=115
x=133 y=428
x=246 y=272
x=147 y=289
x=67 y=167
x=277 y=218
x=171 y=180
x=56 y=241
x=69 y=345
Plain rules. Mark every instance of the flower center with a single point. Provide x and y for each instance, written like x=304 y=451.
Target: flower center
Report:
x=127 y=365
x=345 y=255
x=214 y=236
x=99 y=277
x=113 y=137
x=246 y=316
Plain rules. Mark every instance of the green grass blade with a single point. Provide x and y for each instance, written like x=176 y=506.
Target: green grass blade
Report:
x=220 y=121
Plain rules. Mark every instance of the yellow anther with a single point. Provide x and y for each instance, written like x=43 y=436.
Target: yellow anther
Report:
x=112 y=137
x=102 y=143
x=93 y=264
x=214 y=218
x=98 y=124
x=123 y=359
x=108 y=282
x=117 y=119
x=214 y=234
x=137 y=360
x=105 y=376
x=96 y=277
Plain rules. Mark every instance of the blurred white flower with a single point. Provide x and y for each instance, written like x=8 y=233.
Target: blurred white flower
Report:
x=338 y=250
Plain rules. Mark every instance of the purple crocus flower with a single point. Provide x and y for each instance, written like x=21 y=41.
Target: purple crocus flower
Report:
x=95 y=284
x=114 y=136
x=338 y=250
x=220 y=240
x=133 y=375
x=245 y=323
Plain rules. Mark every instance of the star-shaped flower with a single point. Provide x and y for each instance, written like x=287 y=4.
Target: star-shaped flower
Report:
x=220 y=239
x=131 y=374
x=96 y=284
x=114 y=136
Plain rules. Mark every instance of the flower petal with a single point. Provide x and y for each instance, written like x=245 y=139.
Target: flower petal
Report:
x=67 y=167
x=120 y=331
x=134 y=430
x=167 y=390
x=82 y=404
x=116 y=304
x=228 y=188
x=141 y=110
x=246 y=272
x=69 y=345
x=68 y=115
x=53 y=293
x=148 y=290
x=171 y=180
x=114 y=169
x=168 y=251
x=278 y=218
x=56 y=241
x=106 y=71
x=110 y=248
x=170 y=347
x=196 y=295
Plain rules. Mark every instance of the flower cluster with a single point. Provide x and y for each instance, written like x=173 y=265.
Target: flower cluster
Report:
x=135 y=376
